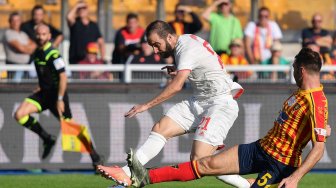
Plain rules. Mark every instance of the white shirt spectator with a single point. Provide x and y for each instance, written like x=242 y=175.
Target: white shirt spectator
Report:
x=276 y=34
x=12 y=55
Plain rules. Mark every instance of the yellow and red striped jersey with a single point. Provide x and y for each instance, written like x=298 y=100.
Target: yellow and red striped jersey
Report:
x=303 y=117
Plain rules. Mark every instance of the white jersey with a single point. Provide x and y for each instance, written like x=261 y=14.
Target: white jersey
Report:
x=208 y=76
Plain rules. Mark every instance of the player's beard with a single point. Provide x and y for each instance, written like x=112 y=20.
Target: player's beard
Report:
x=169 y=51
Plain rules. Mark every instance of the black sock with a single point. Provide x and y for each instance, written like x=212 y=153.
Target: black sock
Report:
x=35 y=126
x=93 y=151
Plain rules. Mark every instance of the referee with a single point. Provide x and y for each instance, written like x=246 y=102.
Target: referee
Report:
x=51 y=93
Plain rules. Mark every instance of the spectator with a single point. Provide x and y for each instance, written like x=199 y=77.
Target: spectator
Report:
x=146 y=55
x=82 y=32
x=326 y=61
x=37 y=16
x=180 y=25
x=17 y=44
x=333 y=49
x=236 y=57
x=316 y=34
x=275 y=59
x=127 y=40
x=260 y=35
x=224 y=26
x=92 y=59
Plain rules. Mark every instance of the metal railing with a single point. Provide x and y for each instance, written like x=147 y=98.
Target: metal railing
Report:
x=134 y=73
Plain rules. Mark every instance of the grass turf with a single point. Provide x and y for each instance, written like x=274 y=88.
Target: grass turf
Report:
x=312 y=180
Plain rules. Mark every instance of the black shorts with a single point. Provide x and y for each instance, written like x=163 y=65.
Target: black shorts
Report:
x=253 y=159
x=48 y=100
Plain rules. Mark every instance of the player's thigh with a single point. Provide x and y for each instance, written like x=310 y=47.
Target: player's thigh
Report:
x=168 y=128
x=33 y=103
x=222 y=163
x=216 y=122
x=267 y=179
x=178 y=120
x=201 y=149
x=26 y=107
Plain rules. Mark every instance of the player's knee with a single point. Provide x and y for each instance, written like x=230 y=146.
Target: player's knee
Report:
x=206 y=165
x=18 y=114
x=158 y=128
x=21 y=116
x=194 y=156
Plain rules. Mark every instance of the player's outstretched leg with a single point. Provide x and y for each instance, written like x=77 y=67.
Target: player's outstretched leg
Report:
x=116 y=174
x=139 y=174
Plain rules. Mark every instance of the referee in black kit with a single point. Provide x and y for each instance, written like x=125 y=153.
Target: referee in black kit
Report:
x=51 y=93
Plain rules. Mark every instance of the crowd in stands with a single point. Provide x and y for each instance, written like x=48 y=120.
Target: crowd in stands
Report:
x=257 y=43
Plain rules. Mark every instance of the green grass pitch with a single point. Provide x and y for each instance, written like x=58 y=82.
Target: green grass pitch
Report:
x=312 y=180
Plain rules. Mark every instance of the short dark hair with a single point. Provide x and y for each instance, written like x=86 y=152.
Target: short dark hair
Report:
x=12 y=15
x=160 y=27
x=131 y=16
x=309 y=59
x=263 y=9
x=35 y=8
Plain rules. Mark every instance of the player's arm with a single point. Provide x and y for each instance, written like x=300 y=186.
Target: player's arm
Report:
x=59 y=65
x=62 y=84
x=313 y=157
x=172 y=88
x=61 y=91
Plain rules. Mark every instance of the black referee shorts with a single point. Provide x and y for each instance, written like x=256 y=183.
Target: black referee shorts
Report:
x=48 y=100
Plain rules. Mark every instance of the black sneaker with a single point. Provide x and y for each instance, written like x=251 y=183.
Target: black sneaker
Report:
x=47 y=146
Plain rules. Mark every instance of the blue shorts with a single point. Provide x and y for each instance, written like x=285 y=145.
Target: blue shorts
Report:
x=253 y=159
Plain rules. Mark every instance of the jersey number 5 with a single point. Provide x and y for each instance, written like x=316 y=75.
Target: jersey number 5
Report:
x=263 y=180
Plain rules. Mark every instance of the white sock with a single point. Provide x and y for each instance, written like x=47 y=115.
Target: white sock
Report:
x=152 y=146
x=235 y=180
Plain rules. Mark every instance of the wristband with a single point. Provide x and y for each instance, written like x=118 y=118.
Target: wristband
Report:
x=60 y=98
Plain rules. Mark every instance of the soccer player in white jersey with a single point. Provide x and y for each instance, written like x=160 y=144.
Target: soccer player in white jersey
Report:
x=209 y=112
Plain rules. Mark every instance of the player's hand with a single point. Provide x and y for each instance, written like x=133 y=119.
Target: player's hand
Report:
x=289 y=182
x=171 y=70
x=136 y=109
x=60 y=107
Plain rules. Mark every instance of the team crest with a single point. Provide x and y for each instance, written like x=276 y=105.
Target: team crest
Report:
x=291 y=101
x=296 y=107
